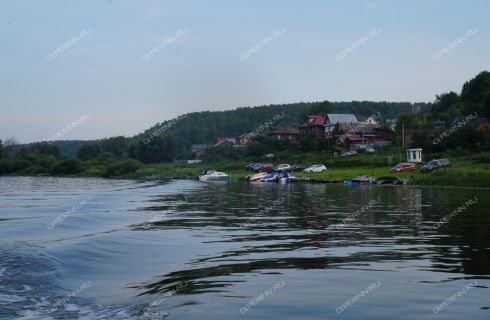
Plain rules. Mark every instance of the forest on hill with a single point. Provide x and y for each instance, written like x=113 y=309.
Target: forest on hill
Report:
x=204 y=127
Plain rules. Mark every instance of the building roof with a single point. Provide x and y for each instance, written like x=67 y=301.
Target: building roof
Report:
x=314 y=120
x=229 y=141
x=333 y=118
x=365 y=128
x=366 y=118
x=285 y=131
x=221 y=139
x=197 y=147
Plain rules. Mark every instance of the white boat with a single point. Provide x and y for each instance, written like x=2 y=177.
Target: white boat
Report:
x=256 y=177
x=277 y=177
x=212 y=175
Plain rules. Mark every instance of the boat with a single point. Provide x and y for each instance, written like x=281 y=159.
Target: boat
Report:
x=214 y=176
x=149 y=178
x=270 y=177
x=256 y=177
x=351 y=183
x=285 y=177
x=359 y=180
x=389 y=180
x=275 y=176
x=364 y=179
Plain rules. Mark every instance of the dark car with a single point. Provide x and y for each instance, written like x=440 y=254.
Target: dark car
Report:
x=264 y=167
x=297 y=167
x=434 y=165
x=249 y=167
x=388 y=180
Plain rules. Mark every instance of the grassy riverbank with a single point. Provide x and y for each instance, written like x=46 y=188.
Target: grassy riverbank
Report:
x=469 y=172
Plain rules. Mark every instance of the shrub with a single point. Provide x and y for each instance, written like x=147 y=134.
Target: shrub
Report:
x=68 y=166
x=482 y=158
x=5 y=166
x=122 y=167
x=19 y=165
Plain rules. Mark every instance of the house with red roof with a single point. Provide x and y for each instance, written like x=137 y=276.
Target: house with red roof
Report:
x=313 y=126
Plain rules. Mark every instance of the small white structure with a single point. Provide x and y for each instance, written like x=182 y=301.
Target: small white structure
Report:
x=414 y=155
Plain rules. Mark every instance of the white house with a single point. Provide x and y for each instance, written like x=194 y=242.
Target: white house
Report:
x=414 y=155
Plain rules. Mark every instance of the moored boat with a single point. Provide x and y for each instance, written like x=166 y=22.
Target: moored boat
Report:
x=275 y=176
x=214 y=176
x=149 y=178
x=364 y=179
x=256 y=177
x=351 y=183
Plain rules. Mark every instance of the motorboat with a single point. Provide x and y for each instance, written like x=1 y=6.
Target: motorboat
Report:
x=389 y=180
x=275 y=176
x=149 y=178
x=364 y=179
x=213 y=176
x=270 y=177
x=284 y=177
x=351 y=183
x=256 y=177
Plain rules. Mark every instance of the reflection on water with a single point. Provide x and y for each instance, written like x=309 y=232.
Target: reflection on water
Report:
x=228 y=243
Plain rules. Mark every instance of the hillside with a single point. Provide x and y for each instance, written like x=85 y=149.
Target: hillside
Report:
x=203 y=127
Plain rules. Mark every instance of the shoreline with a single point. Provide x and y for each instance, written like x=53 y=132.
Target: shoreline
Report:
x=240 y=178
x=470 y=171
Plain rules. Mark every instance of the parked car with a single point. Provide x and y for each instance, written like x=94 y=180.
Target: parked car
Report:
x=315 y=168
x=297 y=167
x=348 y=153
x=264 y=167
x=250 y=166
x=370 y=150
x=435 y=164
x=404 y=166
x=388 y=180
x=283 y=167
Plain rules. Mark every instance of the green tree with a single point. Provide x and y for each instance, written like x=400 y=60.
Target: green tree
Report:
x=118 y=146
x=323 y=107
x=221 y=153
x=446 y=103
x=88 y=151
x=256 y=149
x=159 y=149
x=409 y=120
x=45 y=149
x=476 y=95
x=5 y=166
x=68 y=166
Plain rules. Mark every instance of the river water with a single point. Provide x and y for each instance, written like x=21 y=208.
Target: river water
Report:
x=73 y=248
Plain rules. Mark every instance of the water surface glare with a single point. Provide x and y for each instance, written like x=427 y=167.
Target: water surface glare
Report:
x=73 y=248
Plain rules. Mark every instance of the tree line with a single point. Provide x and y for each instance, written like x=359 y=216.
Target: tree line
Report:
x=117 y=155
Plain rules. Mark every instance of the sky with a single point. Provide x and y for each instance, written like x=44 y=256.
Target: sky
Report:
x=91 y=69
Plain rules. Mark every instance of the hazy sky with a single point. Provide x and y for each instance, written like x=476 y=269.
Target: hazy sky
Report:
x=130 y=64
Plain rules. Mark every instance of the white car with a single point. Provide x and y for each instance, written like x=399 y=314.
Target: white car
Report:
x=283 y=167
x=315 y=168
x=348 y=154
x=370 y=150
